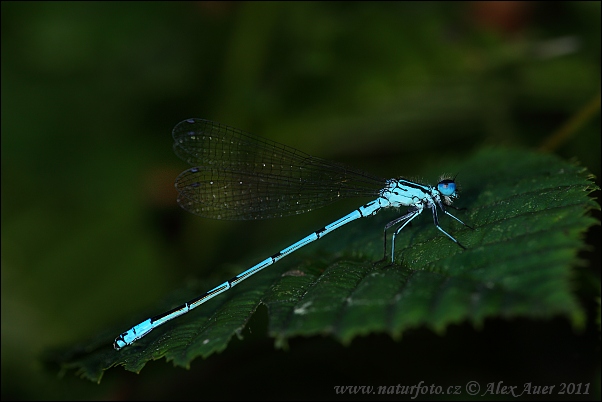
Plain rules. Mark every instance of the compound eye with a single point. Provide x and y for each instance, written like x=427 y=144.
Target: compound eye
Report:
x=447 y=187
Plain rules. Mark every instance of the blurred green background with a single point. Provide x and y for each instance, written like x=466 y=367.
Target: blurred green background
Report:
x=92 y=236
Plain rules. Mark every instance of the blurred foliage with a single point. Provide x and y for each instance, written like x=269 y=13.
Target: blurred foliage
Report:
x=91 y=233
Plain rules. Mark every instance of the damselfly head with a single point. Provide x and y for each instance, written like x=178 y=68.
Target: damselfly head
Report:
x=448 y=189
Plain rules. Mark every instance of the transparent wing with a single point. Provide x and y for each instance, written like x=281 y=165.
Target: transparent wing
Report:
x=241 y=176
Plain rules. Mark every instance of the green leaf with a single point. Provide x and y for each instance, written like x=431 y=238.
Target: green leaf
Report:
x=529 y=211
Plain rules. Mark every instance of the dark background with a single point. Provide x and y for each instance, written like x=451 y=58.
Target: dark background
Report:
x=91 y=232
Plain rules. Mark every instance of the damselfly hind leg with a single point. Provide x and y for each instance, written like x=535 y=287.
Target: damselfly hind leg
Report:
x=412 y=213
